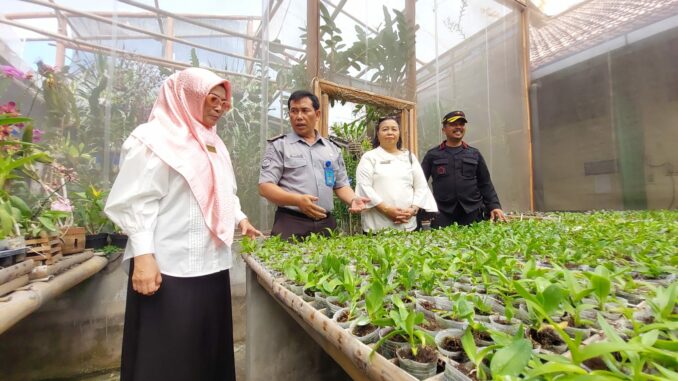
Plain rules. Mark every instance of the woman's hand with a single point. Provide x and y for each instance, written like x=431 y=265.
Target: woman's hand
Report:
x=146 y=278
x=247 y=229
x=412 y=211
x=397 y=215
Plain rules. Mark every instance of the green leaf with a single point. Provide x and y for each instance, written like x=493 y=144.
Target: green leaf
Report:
x=596 y=375
x=7 y=120
x=20 y=204
x=374 y=300
x=511 y=360
x=671 y=375
x=27 y=136
x=669 y=345
x=598 y=349
x=47 y=223
x=469 y=345
x=553 y=367
x=6 y=223
x=650 y=338
x=600 y=281
x=552 y=297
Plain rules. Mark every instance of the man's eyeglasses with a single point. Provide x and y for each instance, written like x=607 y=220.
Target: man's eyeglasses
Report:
x=214 y=100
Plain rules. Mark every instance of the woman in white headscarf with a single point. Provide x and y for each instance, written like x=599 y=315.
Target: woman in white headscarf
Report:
x=175 y=197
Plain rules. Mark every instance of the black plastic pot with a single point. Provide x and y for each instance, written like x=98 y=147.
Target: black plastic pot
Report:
x=119 y=240
x=96 y=241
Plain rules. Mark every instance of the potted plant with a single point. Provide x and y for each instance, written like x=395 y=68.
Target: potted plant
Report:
x=16 y=158
x=418 y=356
x=118 y=238
x=363 y=327
x=90 y=214
x=12 y=243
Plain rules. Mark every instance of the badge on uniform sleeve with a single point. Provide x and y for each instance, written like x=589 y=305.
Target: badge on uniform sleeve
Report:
x=265 y=163
x=211 y=148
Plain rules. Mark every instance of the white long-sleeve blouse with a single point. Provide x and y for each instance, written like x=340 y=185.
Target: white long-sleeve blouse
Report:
x=394 y=180
x=155 y=207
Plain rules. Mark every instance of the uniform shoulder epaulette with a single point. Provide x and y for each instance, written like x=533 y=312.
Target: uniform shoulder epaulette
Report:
x=275 y=138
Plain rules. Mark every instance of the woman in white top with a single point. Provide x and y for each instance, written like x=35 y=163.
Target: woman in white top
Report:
x=394 y=182
x=175 y=196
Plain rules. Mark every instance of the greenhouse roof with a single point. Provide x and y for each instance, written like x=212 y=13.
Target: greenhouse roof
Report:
x=589 y=24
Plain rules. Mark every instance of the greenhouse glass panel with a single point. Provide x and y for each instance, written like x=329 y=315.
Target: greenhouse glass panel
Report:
x=473 y=61
x=366 y=45
x=96 y=72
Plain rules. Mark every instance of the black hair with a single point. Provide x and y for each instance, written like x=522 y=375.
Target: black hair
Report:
x=301 y=94
x=375 y=139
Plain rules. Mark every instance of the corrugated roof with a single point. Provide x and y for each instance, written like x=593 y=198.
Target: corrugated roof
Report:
x=589 y=24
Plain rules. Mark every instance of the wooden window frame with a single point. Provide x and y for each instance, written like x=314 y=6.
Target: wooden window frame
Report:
x=408 y=110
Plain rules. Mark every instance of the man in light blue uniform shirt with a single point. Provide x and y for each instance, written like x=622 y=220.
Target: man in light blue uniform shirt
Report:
x=301 y=171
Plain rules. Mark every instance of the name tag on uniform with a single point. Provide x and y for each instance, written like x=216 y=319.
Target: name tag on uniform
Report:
x=211 y=148
x=385 y=162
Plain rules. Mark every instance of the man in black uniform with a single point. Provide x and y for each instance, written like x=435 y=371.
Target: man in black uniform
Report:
x=461 y=181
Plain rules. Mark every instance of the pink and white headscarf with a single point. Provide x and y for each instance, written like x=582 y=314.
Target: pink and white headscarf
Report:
x=174 y=133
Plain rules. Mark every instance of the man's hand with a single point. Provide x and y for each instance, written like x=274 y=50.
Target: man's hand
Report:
x=146 y=276
x=307 y=205
x=247 y=229
x=358 y=204
x=497 y=215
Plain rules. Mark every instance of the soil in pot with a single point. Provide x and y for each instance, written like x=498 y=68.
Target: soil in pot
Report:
x=389 y=346
x=424 y=354
x=482 y=338
x=458 y=373
x=334 y=305
x=367 y=333
x=423 y=365
x=96 y=241
x=452 y=344
x=425 y=304
x=399 y=339
x=343 y=316
x=363 y=330
x=548 y=338
x=430 y=324
x=483 y=316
